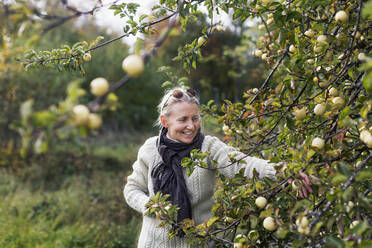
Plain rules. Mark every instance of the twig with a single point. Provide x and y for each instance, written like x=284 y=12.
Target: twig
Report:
x=346 y=185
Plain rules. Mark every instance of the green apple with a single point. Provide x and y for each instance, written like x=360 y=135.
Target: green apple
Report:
x=133 y=65
x=341 y=16
x=80 y=114
x=261 y=202
x=99 y=86
x=269 y=224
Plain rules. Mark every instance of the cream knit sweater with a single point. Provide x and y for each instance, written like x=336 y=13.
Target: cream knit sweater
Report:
x=200 y=184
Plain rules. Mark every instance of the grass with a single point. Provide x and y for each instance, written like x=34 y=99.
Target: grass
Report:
x=83 y=213
x=70 y=198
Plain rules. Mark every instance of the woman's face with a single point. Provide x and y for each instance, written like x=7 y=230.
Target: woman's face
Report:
x=183 y=121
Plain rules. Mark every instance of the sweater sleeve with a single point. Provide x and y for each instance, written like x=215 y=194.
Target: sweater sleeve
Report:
x=136 y=189
x=221 y=153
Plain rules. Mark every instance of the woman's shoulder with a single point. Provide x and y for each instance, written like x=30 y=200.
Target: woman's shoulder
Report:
x=150 y=143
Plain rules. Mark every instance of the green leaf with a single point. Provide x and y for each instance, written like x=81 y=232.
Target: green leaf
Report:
x=360 y=228
x=338 y=179
x=364 y=175
x=212 y=220
x=335 y=242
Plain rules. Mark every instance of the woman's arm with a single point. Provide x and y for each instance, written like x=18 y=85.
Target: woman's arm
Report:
x=136 y=189
x=220 y=152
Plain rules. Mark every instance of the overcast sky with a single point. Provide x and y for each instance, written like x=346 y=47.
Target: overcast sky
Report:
x=114 y=24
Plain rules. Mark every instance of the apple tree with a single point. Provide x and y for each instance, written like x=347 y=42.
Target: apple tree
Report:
x=311 y=116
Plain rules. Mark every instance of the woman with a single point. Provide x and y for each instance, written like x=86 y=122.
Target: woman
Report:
x=158 y=168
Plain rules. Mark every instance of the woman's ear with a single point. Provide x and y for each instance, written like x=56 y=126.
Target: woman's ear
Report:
x=163 y=121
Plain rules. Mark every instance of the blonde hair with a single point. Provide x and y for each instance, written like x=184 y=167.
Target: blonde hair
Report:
x=169 y=99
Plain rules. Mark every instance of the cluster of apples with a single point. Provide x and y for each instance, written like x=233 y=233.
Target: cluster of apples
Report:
x=268 y=224
x=202 y=40
x=133 y=65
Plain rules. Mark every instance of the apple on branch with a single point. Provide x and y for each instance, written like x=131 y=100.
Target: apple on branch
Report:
x=94 y=121
x=269 y=223
x=133 y=65
x=99 y=86
x=87 y=57
x=341 y=16
x=80 y=114
x=300 y=113
x=318 y=143
x=261 y=202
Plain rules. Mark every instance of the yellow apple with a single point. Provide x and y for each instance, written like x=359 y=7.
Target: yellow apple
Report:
x=310 y=61
x=357 y=35
x=310 y=33
x=201 y=41
x=319 y=109
x=316 y=80
x=265 y=2
x=87 y=57
x=219 y=28
x=258 y=53
x=238 y=245
x=261 y=27
x=354 y=223
x=333 y=91
x=264 y=56
x=99 y=86
x=338 y=102
x=295 y=185
x=269 y=21
x=227 y=130
x=80 y=114
x=300 y=114
x=318 y=49
x=133 y=65
x=362 y=57
x=269 y=223
x=292 y=49
x=322 y=39
x=94 y=121
x=341 y=16
x=366 y=137
x=261 y=202
x=318 y=143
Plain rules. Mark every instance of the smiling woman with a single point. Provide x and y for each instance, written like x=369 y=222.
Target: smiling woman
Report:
x=158 y=168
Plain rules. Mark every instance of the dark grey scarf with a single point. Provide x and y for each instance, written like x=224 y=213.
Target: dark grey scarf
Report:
x=167 y=177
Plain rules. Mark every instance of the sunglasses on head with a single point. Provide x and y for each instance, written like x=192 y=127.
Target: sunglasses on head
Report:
x=179 y=93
